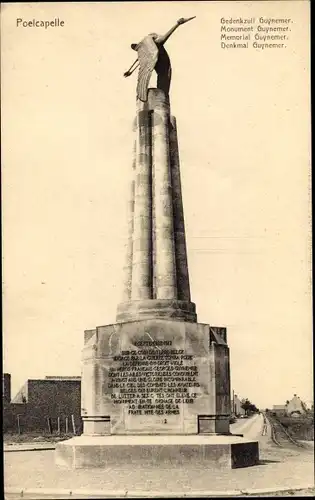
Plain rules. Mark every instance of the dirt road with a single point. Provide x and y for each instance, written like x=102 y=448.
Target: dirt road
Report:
x=250 y=427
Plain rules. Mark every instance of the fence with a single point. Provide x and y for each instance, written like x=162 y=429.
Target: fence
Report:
x=19 y=419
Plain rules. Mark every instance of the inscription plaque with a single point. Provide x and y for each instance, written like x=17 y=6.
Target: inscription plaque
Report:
x=153 y=379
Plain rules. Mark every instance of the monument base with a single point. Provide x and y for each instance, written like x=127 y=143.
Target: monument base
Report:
x=221 y=452
x=155 y=376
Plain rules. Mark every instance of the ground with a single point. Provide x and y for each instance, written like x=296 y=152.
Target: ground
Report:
x=279 y=469
x=310 y=492
x=34 y=437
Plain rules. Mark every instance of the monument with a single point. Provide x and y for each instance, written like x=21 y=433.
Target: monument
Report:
x=156 y=384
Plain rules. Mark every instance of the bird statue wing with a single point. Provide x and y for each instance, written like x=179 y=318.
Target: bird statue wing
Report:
x=147 y=56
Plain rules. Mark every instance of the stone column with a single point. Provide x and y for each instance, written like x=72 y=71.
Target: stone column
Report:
x=94 y=407
x=142 y=231
x=153 y=236
x=127 y=270
x=164 y=245
x=183 y=288
x=223 y=391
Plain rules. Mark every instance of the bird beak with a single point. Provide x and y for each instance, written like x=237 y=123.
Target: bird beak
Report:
x=189 y=19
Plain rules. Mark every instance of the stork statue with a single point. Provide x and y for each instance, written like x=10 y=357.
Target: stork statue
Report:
x=152 y=55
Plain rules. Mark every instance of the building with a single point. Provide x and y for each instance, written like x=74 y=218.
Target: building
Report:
x=55 y=398
x=6 y=388
x=279 y=410
x=296 y=407
x=236 y=406
x=293 y=408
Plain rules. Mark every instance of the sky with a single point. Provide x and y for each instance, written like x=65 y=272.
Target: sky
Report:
x=243 y=120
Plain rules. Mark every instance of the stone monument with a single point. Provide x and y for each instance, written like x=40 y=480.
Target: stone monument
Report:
x=156 y=384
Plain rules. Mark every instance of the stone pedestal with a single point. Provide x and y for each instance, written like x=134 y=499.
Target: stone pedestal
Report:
x=155 y=377
x=156 y=391
x=212 y=452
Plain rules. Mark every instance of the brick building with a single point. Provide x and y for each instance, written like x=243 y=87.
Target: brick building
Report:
x=39 y=399
x=6 y=388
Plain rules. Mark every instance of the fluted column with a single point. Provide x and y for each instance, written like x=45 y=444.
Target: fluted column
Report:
x=183 y=288
x=142 y=258
x=164 y=245
x=153 y=233
x=127 y=270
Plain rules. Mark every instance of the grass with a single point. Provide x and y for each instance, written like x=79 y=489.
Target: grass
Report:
x=34 y=436
x=299 y=427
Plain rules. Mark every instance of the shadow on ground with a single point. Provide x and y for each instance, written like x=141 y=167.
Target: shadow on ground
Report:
x=266 y=462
